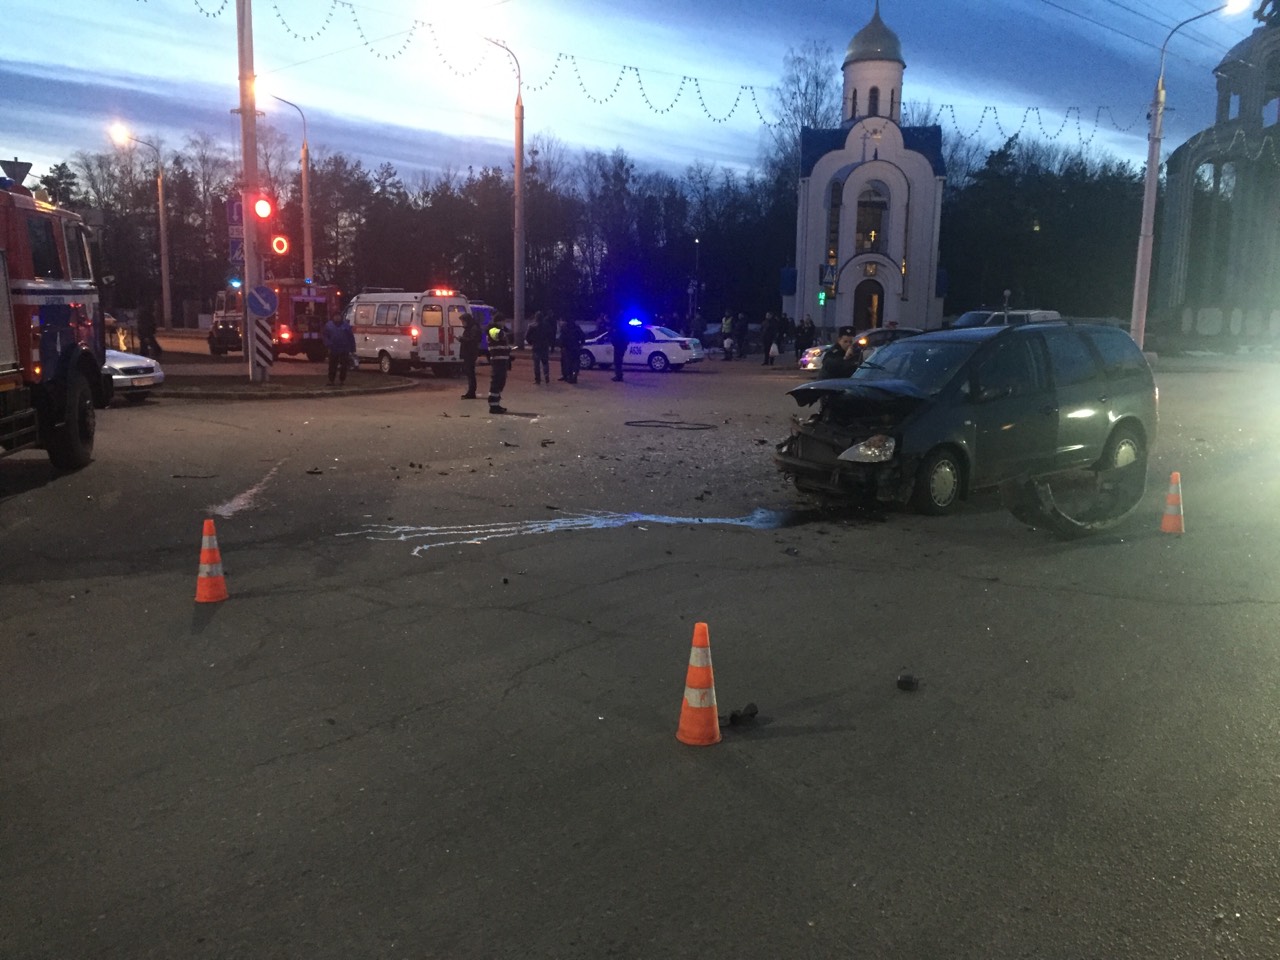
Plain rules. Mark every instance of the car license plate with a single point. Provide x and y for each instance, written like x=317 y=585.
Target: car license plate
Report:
x=142 y=381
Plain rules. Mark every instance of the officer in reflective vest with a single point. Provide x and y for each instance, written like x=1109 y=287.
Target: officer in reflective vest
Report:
x=499 y=364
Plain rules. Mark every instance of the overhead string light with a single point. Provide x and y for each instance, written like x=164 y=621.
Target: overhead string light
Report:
x=744 y=92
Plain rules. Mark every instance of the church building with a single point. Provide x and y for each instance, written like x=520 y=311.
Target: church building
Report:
x=870 y=202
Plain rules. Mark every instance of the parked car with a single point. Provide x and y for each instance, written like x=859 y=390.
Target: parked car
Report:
x=224 y=336
x=658 y=348
x=1060 y=416
x=997 y=318
x=869 y=341
x=132 y=376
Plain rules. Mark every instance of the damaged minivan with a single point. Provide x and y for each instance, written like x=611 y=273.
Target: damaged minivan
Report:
x=1059 y=415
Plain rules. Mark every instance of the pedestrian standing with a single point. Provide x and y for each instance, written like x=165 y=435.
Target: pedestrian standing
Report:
x=726 y=335
x=499 y=364
x=619 y=339
x=769 y=339
x=469 y=351
x=570 y=350
x=740 y=331
x=806 y=334
x=539 y=337
x=340 y=339
x=148 y=345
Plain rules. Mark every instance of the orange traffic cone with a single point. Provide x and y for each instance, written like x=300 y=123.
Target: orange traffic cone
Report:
x=699 y=722
x=211 y=586
x=1171 y=522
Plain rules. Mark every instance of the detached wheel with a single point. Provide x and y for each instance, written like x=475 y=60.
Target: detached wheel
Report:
x=385 y=363
x=71 y=442
x=587 y=360
x=939 y=481
x=1081 y=502
x=658 y=362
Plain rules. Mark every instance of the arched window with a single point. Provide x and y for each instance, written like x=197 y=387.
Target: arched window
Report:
x=873 y=102
x=833 y=222
x=873 y=218
x=853 y=105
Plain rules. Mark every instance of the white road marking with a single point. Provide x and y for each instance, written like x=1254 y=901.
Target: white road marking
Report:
x=245 y=500
x=466 y=534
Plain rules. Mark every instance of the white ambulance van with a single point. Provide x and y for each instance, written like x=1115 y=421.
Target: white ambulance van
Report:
x=402 y=331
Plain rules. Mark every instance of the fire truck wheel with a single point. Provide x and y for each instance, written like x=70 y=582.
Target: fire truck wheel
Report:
x=71 y=443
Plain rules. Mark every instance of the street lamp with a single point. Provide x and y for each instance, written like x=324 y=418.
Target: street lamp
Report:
x=121 y=135
x=518 y=278
x=1142 y=272
x=308 y=259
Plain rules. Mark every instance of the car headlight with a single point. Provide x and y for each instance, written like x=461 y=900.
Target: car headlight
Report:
x=875 y=449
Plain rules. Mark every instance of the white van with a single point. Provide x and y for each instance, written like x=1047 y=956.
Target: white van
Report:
x=402 y=330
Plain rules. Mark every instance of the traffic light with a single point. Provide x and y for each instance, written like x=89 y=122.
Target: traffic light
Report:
x=263 y=208
x=822 y=296
x=279 y=245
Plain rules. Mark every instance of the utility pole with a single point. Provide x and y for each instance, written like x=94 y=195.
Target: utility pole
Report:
x=259 y=365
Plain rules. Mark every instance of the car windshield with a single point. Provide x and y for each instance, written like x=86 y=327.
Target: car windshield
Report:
x=928 y=365
x=665 y=333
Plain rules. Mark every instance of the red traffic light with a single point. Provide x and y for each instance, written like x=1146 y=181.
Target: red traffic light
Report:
x=279 y=245
x=263 y=208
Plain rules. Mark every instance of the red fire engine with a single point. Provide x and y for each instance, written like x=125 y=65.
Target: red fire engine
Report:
x=300 y=318
x=52 y=343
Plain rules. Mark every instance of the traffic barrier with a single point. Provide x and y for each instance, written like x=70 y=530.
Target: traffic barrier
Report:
x=1172 y=521
x=699 y=722
x=211 y=585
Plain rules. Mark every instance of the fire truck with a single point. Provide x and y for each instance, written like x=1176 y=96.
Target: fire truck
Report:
x=304 y=308
x=52 y=339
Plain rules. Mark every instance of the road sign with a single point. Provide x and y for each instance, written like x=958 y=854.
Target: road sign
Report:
x=235 y=212
x=827 y=274
x=237 y=250
x=262 y=302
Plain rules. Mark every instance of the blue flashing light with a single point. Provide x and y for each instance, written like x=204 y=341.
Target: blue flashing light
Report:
x=633 y=322
x=236 y=283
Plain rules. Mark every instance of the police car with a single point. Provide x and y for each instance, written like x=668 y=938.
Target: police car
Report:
x=658 y=348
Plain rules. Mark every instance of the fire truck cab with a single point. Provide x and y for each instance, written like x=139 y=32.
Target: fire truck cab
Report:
x=52 y=340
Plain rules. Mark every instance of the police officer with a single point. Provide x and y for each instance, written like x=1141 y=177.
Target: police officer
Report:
x=842 y=358
x=619 y=339
x=499 y=364
x=469 y=352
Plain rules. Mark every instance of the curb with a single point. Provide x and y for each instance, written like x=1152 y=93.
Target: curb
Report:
x=273 y=391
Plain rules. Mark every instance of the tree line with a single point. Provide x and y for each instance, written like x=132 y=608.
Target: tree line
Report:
x=1054 y=226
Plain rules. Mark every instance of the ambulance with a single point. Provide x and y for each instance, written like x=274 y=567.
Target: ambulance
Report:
x=401 y=331
x=52 y=337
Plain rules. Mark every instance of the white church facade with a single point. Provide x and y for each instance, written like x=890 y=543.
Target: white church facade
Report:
x=870 y=202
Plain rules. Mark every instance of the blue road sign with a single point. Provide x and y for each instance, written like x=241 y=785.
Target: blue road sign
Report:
x=237 y=250
x=235 y=212
x=262 y=301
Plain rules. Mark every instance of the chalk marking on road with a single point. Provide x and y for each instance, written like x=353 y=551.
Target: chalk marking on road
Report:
x=243 y=501
x=469 y=534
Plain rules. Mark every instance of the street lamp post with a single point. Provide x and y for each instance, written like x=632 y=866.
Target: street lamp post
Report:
x=518 y=269
x=1146 y=234
x=308 y=253
x=120 y=133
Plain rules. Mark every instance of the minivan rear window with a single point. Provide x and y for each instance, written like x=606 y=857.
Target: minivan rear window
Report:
x=1121 y=357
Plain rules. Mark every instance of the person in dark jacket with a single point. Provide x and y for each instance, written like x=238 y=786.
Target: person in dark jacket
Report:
x=769 y=338
x=148 y=345
x=806 y=334
x=842 y=358
x=499 y=364
x=619 y=339
x=740 y=331
x=541 y=337
x=570 y=351
x=340 y=340
x=469 y=352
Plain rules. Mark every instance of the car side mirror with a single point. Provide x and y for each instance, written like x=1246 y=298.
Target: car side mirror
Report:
x=987 y=394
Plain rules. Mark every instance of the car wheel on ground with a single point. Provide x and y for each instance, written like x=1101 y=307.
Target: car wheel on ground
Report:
x=939 y=481
x=1090 y=500
x=658 y=362
x=71 y=444
x=385 y=363
x=587 y=360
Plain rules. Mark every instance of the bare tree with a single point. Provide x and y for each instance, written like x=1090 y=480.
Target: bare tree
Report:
x=808 y=96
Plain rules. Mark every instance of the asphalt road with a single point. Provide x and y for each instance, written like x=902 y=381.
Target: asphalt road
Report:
x=436 y=717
